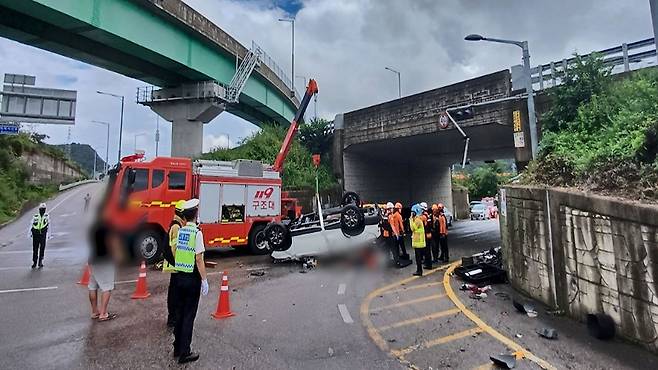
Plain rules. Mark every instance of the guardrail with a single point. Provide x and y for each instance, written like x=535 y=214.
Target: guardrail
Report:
x=271 y=64
x=622 y=55
x=74 y=184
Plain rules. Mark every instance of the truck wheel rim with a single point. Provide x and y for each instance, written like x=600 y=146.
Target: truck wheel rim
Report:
x=276 y=236
x=148 y=247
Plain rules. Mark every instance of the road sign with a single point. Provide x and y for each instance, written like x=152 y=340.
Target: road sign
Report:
x=444 y=120
x=26 y=104
x=519 y=140
x=8 y=129
x=516 y=118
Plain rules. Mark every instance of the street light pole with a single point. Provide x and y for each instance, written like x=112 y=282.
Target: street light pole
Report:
x=399 y=84
x=292 y=73
x=532 y=118
x=107 y=144
x=121 y=123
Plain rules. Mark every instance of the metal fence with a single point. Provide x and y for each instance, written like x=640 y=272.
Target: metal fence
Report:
x=639 y=53
x=271 y=64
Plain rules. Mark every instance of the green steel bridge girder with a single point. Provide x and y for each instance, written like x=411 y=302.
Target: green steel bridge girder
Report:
x=127 y=37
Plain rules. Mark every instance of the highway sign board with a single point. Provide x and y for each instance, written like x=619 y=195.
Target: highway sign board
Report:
x=27 y=104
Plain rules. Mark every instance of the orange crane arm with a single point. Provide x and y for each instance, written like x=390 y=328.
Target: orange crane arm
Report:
x=311 y=89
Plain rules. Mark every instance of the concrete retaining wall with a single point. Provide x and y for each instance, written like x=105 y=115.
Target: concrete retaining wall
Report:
x=44 y=169
x=585 y=253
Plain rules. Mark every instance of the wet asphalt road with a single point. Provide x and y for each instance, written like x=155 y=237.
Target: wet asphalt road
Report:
x=284 y=319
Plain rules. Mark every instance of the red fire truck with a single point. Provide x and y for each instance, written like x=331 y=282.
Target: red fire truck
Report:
x=237 y=199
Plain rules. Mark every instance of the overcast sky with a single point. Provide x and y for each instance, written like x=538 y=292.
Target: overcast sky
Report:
x=345 y=45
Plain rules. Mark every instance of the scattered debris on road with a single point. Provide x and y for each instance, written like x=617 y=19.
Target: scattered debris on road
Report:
x=504 y=361
x=257 y=273
x=548 y=333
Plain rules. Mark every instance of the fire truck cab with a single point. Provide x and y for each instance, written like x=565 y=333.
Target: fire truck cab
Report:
x=237 y=200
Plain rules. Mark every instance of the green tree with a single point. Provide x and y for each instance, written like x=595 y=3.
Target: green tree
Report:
x=298 y=170
x=484 y=181
x=316 y=136
x=583 y=79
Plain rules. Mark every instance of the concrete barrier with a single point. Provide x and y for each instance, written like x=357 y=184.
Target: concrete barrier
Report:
x=74 y=184
x=585 y=254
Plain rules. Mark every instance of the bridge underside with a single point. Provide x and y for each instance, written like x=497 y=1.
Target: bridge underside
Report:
x=417 y=168
x=133 y=40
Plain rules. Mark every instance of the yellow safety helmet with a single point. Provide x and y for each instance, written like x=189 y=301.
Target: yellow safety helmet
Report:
x=180 y=205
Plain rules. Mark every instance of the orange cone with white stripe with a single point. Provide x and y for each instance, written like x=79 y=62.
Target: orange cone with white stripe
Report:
x=223 y=305
x=141 y=291
x=86 y=273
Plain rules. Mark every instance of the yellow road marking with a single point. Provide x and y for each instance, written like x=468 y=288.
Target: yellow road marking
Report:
x=406 y=303
x=413 y=287
x=437 y=341
x=365 y=316
x=520 y=352
x=420 y=319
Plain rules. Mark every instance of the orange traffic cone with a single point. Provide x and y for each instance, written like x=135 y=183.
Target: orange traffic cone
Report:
x=223 y=305
x=141 y=291
x=86 y=273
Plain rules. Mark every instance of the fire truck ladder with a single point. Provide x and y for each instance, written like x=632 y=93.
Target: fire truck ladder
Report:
x=239 y=80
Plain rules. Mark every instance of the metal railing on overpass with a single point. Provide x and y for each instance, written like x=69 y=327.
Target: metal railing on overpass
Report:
x=271 y=64
x=639 y=53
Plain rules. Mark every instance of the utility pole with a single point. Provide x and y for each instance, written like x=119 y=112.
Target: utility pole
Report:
x=157 y=134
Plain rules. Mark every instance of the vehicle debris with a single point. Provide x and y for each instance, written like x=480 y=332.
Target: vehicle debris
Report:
x=601 y=326
x=504 y=361
x=548 y=333
x=257 y=273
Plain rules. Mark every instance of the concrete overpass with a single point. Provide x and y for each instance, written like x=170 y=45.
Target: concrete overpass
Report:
x=162 y=42
x=397 y=150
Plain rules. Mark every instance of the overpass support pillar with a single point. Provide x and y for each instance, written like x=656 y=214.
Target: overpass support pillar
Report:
x=187 y=107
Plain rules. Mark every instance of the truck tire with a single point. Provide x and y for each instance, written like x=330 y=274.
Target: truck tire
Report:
x=352 y=221
x=351 y=197
x=278 y=236
x=257 y=243
x=148 y=246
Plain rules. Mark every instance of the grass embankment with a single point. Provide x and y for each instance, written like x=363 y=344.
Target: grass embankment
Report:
x=601 y=134
x=15 y=190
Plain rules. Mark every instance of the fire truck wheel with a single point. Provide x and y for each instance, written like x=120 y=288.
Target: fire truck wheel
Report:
x=257 y=242
x=278 y=236
x=352 y=221
x=148 y=246
x=351 y=197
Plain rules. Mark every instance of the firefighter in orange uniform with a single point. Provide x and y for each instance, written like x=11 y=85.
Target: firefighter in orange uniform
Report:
x=388 y=234
x=443 y=233
x=398 y=230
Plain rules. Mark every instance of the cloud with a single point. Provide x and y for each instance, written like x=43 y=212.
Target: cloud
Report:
x=345 y=45
x=211 y=142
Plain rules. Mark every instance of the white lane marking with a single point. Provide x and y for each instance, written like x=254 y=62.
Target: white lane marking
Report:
x=53 y=208
x=257 y=268
x=341 y=288
x=345 y=314
x=27 y=289
x=14 y=268
x=125 y=282
x=56 y=251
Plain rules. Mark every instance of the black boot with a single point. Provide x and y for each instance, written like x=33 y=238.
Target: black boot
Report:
x=190 y=357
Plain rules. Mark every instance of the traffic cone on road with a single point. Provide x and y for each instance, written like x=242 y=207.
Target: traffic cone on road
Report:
x=223 y=305
x=86 y=273
x=141 y=291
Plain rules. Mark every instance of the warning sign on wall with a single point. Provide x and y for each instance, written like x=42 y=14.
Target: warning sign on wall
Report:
x=519 y=140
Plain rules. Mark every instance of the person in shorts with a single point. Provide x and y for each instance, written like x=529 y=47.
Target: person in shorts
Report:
x=103 y=270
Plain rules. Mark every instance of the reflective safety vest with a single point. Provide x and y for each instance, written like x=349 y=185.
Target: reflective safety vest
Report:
x=417 y=232
x=173 y=240
x=185 y=256
x=40 y=222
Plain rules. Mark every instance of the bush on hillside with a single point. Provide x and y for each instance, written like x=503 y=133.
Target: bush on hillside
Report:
x=601 y=133
x=298 y=170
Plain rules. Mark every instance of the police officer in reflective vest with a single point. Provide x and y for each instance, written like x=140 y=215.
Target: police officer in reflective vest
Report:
x=39 y=231
x=169 y=261
x=190 y=280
